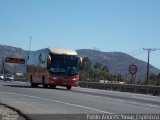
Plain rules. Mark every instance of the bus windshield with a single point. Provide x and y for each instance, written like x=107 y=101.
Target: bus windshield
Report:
x=64 y=64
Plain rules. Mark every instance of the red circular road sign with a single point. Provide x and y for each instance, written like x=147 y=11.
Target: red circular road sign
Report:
x=133 y=69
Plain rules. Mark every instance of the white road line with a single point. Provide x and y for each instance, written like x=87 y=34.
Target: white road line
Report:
x=124 y=101
x=66 y=103
x=146 y=98
x=150 y=105
x=116 y=92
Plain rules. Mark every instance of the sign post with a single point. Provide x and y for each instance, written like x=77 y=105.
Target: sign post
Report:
x=133 y=70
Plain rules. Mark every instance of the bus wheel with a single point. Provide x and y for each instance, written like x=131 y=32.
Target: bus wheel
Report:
x=68 y=87
x=45 y=85
x=33 y=84
x=52 y=86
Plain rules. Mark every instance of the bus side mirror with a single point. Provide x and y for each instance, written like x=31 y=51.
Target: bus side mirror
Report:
x=80 y=61
x=49 y=60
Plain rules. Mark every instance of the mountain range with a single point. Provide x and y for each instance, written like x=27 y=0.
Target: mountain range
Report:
x=117 y=62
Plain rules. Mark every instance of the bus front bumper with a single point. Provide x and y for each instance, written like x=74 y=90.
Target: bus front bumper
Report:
x=64 y=82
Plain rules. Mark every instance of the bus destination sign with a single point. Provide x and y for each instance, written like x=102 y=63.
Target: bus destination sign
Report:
x=15 y=60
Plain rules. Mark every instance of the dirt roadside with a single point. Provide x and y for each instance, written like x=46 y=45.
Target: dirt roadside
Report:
x=8 y=113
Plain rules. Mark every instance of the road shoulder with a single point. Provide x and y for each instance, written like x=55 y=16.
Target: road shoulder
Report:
x=8 y=113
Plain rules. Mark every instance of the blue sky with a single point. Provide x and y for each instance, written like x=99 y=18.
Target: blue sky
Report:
x=109 y=25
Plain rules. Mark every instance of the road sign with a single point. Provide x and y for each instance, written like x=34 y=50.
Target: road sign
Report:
x=15 y=60
x=133 y=69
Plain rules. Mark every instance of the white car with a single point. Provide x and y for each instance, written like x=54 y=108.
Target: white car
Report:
x=1 y=77
x=8 y=77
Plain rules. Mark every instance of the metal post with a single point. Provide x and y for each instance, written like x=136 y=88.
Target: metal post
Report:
x=148 y=68
x=132 y=79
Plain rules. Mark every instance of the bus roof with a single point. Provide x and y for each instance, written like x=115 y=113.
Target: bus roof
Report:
x=62 y=51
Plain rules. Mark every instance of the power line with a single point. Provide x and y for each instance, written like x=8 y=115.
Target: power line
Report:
x=136 y=52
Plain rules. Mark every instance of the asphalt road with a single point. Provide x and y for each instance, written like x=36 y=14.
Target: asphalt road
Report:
x=77 y=104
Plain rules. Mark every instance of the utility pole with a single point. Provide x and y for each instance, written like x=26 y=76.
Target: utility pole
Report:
x=2 y=63
x=29 y=47
x=30 y=43
x=149 y=50
x=3 y=67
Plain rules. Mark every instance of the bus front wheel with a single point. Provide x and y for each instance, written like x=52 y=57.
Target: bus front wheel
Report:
x=33 y=84
x=68 y=87
x=52 y=86
x=44 y=84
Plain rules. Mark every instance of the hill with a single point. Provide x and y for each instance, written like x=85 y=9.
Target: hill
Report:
x=117 y=62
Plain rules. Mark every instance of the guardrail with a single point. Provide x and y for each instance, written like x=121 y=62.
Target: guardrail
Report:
x=143 y=89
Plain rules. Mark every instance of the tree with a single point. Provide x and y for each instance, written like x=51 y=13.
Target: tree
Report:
x=98 y=66
x=86 y=64
x=119 y=78
x=97 y=72
x=6 y=71
x=101 y=71
x=158 y=77
x=85 y=69
x=105 y=69
x=153 y=79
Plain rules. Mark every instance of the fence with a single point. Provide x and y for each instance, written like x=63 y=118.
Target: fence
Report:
x=143 y=89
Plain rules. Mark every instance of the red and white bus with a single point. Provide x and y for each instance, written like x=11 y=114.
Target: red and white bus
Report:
x=53 y=67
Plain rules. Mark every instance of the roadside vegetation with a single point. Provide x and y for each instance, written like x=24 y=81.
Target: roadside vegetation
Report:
x=98 y=72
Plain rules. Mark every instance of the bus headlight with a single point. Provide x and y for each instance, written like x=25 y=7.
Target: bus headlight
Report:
x=74 y=78
x=55 y=78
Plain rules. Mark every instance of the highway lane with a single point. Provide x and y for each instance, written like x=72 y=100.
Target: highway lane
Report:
x=32 y=101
